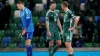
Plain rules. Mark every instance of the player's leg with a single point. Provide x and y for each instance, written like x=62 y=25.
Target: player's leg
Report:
x=58 y=42
x=29 y=47
x=69 y=48
x=28 y=37
x=51 y=44
x=68 y=39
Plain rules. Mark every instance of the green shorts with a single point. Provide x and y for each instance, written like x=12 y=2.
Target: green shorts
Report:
x=67 y=36
x=54 y=35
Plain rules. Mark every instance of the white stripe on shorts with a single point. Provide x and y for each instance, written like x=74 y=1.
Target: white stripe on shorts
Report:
x=27 y=35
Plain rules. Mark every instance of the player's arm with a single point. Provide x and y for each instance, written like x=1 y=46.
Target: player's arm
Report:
x=28 y=19
x=27 y=22
x=47 y=22
x=23 y=28
x=23 y=31
x=47 y=25
x=59 y=25
x=76 y=19
x=58 y=21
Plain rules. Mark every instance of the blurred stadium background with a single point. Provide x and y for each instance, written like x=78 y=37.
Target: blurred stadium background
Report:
x=86 y=34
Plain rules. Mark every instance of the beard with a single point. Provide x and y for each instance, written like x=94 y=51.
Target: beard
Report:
x=52 y=9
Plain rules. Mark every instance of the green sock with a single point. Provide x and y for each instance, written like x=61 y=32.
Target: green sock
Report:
x=70 y=55
x=51 y=51
x=55 y=48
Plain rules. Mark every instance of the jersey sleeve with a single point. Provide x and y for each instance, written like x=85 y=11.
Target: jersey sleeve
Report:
x=28 y=18
x=57 y=14
x=72 y=15
x=23 y=21
x=47 y=16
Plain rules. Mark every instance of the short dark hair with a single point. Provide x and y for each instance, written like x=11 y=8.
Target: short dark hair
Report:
x=20 y=2
x=52 y=2
x=65 y=3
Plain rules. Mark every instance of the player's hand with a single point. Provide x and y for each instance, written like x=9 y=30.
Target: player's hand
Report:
x=49 y=34
x=23 y=32
x=61 y=32
x=70 y=29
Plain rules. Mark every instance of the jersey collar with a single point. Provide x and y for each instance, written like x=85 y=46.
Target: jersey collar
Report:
x=24 y=9
x=67 y=10
x=51 y=11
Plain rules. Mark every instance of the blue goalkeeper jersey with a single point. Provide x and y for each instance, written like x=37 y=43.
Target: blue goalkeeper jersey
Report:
x=26 y=19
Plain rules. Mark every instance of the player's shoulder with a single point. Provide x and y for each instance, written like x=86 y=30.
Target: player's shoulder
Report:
x=57 y=11
x=48 y=12
x=70 y=12
x=27 y=11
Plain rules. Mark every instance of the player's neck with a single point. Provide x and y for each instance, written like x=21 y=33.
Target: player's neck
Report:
x=23 y=8
x=66 y=9
x=51 y=10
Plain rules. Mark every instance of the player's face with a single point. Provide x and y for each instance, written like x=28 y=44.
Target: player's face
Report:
x=19 y=6
x=62 y=6
x=52 y=6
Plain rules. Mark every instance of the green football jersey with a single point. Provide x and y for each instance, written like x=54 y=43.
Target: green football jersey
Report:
x=68 y=19
x=52 y=17
x=67 y=23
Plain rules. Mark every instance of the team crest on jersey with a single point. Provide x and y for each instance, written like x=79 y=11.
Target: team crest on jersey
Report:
x=22 y=14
